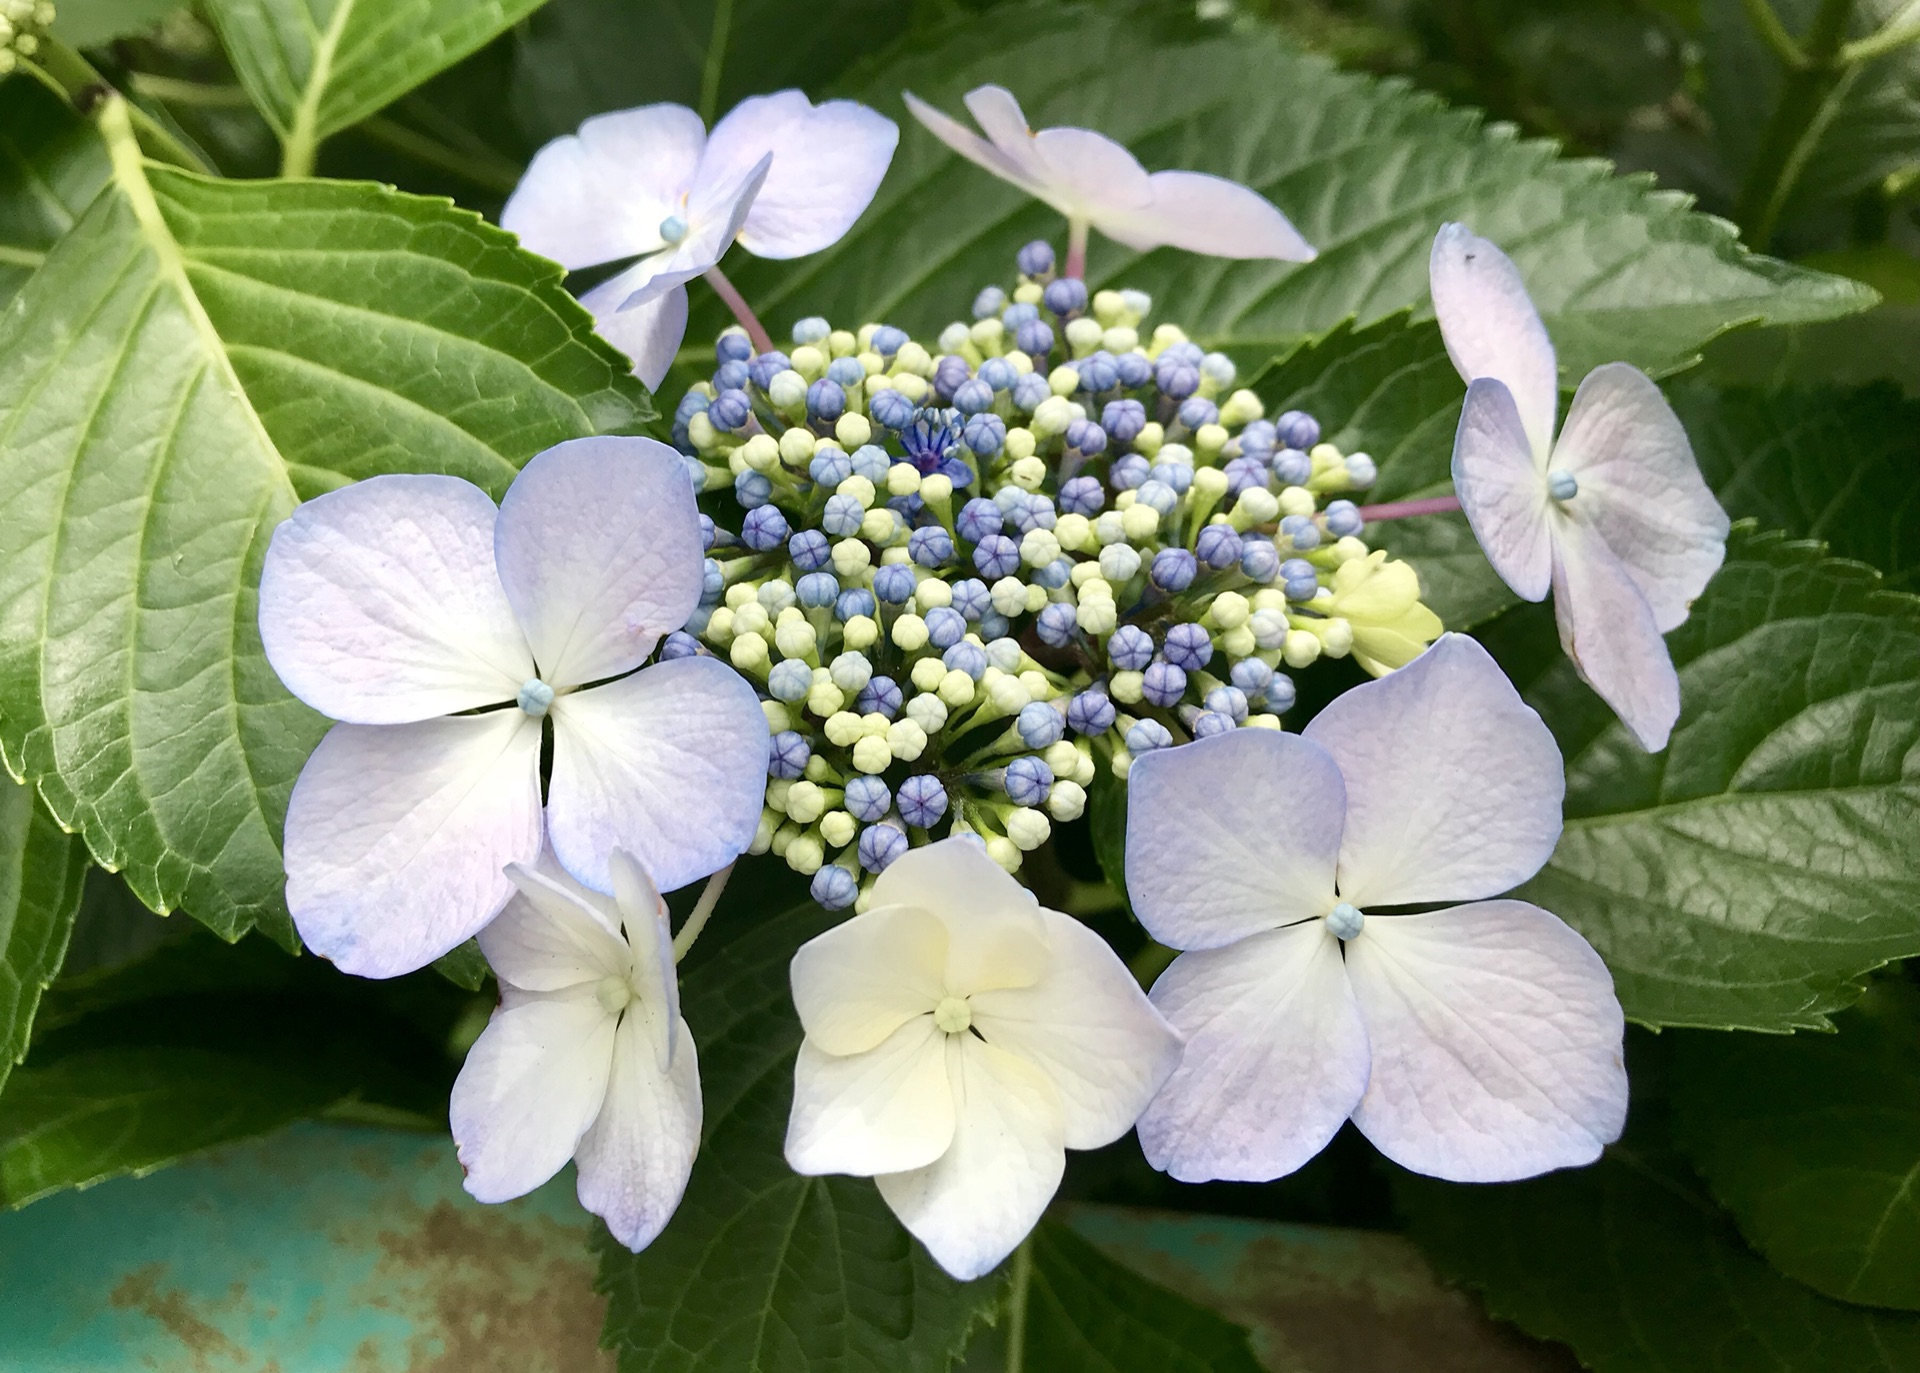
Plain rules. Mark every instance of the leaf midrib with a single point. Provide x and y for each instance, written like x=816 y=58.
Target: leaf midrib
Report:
x=303 y=131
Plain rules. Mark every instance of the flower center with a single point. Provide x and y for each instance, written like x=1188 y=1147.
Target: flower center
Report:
x=614 y=994
x=1562 y=486
x=673 y=228
x=953 y=1015
x=536 y=697
x=1345 y=920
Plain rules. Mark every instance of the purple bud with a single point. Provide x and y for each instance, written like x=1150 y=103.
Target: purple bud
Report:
x=1082 y=496
x=826 y=400
x=1035 y=337
x=733 y=348
x=1056 y=624
x=997 y=556
x=1130 y=648
x=1091 y=713
x=1087 y=437
x=1163 y=684
x=930 y=546
x=972 y=599
x=809 y=550
x=868 y=798
x=1124 y=419
x=765 y=529
x=834 y=887
x=1188 y=647
x=1036 y=259
x=881 y=846
x=1066 y=296
x=972 y=396
x=948 y=374
x=853 y=601
x=1174 y=569
x=945 y=626
x=978 y=518
x=894 y=582
x=790 y=754
x=922 y=800
x=891 y=410
x=1028 y=781
x=882 y=696
x=1298 y=429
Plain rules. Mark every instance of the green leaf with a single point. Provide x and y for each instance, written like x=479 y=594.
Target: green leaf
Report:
x=42 y=872
x=1813 y=1143
x=1086 y=1312
x=313 y=67
x=1367 y=169
x=1628 y=1263
x=1752 y=874
x=90 y=23
x=761 y=1270
x=194 y=358
x=1107 y=818
x=51 y=167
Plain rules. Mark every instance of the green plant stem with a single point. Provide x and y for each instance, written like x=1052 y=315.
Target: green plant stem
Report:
x=716 y=61
x=500 y=175
x=1018 y=1285
x=1801 y=113
x=1902 y=29
x=195 y=93
x=1774 y=34
x=72 y=75
x=702 y=912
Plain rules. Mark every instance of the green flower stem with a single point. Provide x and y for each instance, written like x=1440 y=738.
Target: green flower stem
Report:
x=1807 y=100
x=1902 y=29
x=1774 y=34
x=702 y=912
x=1018 y=1285
x=67 y=72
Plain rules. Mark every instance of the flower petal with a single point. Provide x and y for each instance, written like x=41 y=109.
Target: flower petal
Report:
x=1208 y=214
x=1019 y=169
x=1088 y=174
x=635 y=1160
x=1502 y=490
x=553 y=933
x=1232 y=835
x=1453 y=782
x=1496 y=1042
x=379 y=603
x=974 y=1205
x=1492 y=330
x=1088 y=1026
x=649 y=333
x=1610 y=632
x=866 y=977
x=881 y=1111
x=828 y=160
x=1275 y=1061
x=601 y=194
x=532 y=1084
x=398 y=836
x=995 y=935
x=599 y=550
x=997 y=111
x=1641 y=489
x=719 y=210
x=669 y=764
x=655 y=977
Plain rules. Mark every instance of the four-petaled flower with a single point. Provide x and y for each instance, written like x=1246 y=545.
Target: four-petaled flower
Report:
x=960 y=1037
x=1614 y=517
x=587 y=1057
x=1095 y=181
x=442 y=631
x=781 y=175
x=1477 y=1043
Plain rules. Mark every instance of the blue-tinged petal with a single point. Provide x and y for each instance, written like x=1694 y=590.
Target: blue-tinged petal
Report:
x=1612 y=634
x=827 y=162
x=649 y=333
x=1492 y=330
x=1206 y=214
x=635 y=1160
x=1502 y=489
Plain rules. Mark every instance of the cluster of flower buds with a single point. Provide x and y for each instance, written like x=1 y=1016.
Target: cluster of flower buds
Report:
x=965 y=578
x=21 y=23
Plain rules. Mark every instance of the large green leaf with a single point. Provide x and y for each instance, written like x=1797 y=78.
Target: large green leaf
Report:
x=51 y=167
x=42 y=871
x=1630 y=1264
x=87 y=23
x=313 y=67
x=1752 y=873
x=195 y=357
x=761 y=1270
x=1367 y=169
x=1813 y=1142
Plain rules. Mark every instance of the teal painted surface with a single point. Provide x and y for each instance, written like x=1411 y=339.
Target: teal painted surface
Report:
x=316 y=1250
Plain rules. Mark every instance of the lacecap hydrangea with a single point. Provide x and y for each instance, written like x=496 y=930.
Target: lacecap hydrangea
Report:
x=966 y=577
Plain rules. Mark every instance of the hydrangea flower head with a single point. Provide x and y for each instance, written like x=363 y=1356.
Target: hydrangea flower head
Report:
x=1478 y=1043
x=587 y=1057
x=960 y=1038
x=782 y=176
x=1613 y=517
x=446 y=634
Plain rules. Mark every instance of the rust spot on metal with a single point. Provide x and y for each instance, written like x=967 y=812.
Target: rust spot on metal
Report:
x=140 y=1291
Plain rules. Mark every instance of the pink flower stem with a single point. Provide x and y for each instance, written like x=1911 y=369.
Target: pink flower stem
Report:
x=1077 y=248
x=727 y=291
x=1400 y=510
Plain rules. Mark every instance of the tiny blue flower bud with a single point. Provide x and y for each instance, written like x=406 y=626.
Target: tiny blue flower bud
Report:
x=765 y=529
x=826 y=400
x=811 y=329
x=1362 y=472
x=1055 y=574
x=973 y=395
x=1098 y=373
x=846 y=372
x=945 y=626
x=1229 y=701
x=1251 y=675
x=851 y=602
x=971 y=598
x=997 y=374
x=1345 y=920
x=829 y=467
x=1260 y=560
x=1157 y=495
x=732 y=347
x=1218 y=368
x=1244 y=473
x=1127 y=472
x=948 y=373
x=842 y=516
x=691 y=404
x=752 y=489
x=881 y=846
x=1188 y=647
x=990 y=302
x=1030 y=391
x=1176 y=379
x=1086 y=437
x=1040 y=725
x=834 y=888
x=1040 y=511
x=1300 y=580
x=1130 y=648
x=882 y=696
x=709 y=532
x=731 y=376
x=1187 y=353
x=713 y=582
x=1035 y=338
x=888 y=340
x=1562 y=486
x=817 y=590
x=930 y=546
x=1019 y=313
x=679 y=644
x=1009 y=498
x=984 y=434
x=1259 y=438
x=1124 y=419
x=767 y=366
x=536 y=697
x=790 y=680
x=1146 y=736
x=1298 y=429
x=1066 y=296
x=1056 y=624
x=994 y=625
x=1280 y=693
x=997 y=556
x=1036 y=258
x=871 y=461
x=1302 y=530
x=790 y=755
x=893 y=583
x=1163 y=684
x=890 y=410
x=968 y=658
x=1291 y=466
x=1196 y=411
x=730 y=410
x=1175 y=476
x=1082 y=496
x=978 y=519
x=868 y=798
x=1343 y=519
x=1209 y=723
x=1173 y=568
x=809 y=550
x=1029 y=780
x=1091 y=713
x=1136 y=369
x=922 y=800
x=1218 y=546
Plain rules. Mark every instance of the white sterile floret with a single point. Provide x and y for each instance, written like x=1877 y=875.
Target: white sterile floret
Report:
x=1614 y=518
x=404 y=605
x=1093 y=180
x=959 y=1039
x=587 y=1057
x=780 y=175
x=1479 y=1043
